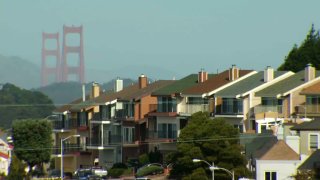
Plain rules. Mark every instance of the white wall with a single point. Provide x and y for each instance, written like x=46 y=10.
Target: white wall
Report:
x=284 y=169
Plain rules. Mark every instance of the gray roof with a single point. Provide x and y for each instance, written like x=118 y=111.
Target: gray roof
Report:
x=284 y=86
x=307 y=126
x=246 y=84
x=312 y=161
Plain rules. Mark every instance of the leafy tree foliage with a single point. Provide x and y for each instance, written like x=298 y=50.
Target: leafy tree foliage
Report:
x=16 y=103
x=308 y=52
x=16 y=169
x=32 y=141
x=210 y=140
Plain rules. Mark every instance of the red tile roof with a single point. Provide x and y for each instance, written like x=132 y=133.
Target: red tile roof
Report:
x=4 y=155
x=213 y=83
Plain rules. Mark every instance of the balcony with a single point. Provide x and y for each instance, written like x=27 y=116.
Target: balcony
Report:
x=68 y=149
x=312 y=109
x=163 y=109
x=193 y=108
x=162 y=135
x=266 y=108
x=124 y=114
x=59 y=125
x=107 y=141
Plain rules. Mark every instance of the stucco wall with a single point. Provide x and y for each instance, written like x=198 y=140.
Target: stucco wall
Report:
x=284 y=169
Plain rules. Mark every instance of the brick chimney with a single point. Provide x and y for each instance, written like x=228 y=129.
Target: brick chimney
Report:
x=143 y=81
x=268 y=74
x=233 y=73
x=118 y=86
x=202 y=76
x=309 y=73
x=95 y=91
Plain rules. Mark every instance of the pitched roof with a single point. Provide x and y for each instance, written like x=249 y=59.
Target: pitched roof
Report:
x=147 y=90
x=179 y=85
x=311 y=90
x=246 y=84
x=128 y=93
x=212 y=83
x=308 y=125
x=313 y=159
x=278 y=151
x=284 y=86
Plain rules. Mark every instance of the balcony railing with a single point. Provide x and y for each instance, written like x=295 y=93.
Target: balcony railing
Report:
x=265 y=108
x=165 y=107
x=68 y=148
x=64 y=124
x=124 y=113
x=162 y=135
x=308 y=109
x=106 y=141
x=193 y=108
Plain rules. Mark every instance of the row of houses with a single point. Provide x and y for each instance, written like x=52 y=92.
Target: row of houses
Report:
x=121 y=125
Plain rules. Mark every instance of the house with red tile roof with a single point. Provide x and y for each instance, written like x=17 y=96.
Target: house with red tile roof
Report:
x=111 y=125
x=5 y=154
x=236 y=102
x=276 y=161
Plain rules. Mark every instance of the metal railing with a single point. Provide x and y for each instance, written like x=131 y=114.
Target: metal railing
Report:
x=68 y=148
x=308 y=109
x=64 y=124
x=268 y=108
x=164 y=107
x=162 y=134
x=110 y=140
x=193 y=108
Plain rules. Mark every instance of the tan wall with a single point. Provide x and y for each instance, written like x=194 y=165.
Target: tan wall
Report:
x=145 y=105
x=304 y=141
x=285 y=107
x=69 y=163
x=297 y=99
x=85 y=160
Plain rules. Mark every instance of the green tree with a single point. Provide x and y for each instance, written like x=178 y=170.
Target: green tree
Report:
x=208 y=139
x=32 y=141
x=16 y=169
x=308 y=52
x=16 y=103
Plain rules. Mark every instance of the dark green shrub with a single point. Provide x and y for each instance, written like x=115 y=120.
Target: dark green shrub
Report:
x=148 y=170
x=119 y=165
x=115 y=172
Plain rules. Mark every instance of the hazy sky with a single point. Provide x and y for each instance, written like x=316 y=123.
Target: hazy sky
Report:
x=182 y=36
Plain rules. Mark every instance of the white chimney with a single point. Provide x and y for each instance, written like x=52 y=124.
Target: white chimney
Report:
x=83 y=92
x=118 y=86
x=268 y=74
x=233 y=73
x=309 y=73
x=95 y=92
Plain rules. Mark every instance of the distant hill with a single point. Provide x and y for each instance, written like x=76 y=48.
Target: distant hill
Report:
x=63 y=93
x=19 y=71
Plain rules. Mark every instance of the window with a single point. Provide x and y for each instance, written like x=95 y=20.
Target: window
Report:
x=313 y=141
x=270 y=175
x=197 y=100
x=128 y=134
x=232 y=106
x=167 y=130
x=167 y=104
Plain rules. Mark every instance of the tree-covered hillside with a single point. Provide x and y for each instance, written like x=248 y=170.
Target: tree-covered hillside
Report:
x=17 y=103
x=307 y=52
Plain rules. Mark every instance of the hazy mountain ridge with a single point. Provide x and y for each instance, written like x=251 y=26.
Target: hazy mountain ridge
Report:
x=19 y=72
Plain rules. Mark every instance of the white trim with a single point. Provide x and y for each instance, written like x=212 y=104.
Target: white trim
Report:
x=101 y=122
x=111 y=102
x=230 y=116
x=229 y=84
x=266 y=84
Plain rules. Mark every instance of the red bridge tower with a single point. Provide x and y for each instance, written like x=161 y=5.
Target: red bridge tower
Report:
x=79 y=69
x=45 y=69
